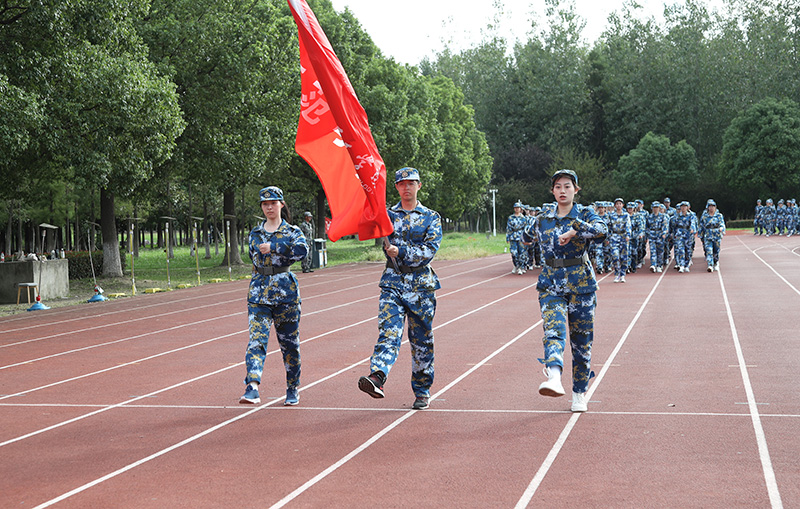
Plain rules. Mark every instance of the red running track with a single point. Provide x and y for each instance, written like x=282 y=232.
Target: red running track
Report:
x=133 y=403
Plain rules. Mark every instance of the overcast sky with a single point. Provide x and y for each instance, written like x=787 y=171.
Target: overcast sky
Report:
x=410 y=30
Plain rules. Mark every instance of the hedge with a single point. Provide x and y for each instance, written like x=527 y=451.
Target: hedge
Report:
x=80 y=267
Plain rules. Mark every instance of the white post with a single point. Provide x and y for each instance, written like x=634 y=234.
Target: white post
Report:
x=494 y=212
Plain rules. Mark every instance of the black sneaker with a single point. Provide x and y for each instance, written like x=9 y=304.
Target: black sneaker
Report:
x=421 y=403
x=372 y=385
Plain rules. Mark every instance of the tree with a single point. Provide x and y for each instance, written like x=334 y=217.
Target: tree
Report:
x=107 y=115
x=761 y=150
x=655 y=168
x=235 y=66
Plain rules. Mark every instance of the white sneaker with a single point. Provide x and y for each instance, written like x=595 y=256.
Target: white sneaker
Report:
x=652 y=268
x=680 y=269
x=716 y=267
x=514 y=270
x=579 y=402
x=710 y=268
x=686 y=269
x=659 y=269
x=552 y=386
x=622 y=279
x=616 y=279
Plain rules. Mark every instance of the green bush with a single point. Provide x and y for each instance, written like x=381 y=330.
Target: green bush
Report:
x=80 y=266
x=739 y=223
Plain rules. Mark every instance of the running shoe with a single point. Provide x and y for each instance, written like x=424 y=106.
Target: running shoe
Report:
x=579 y=403
x=552 y=386
x=372 y=385
x=250 y=396
x=292 y=397
x=421 y=403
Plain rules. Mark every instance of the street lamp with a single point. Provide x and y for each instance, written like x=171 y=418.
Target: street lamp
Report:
x=494 y=212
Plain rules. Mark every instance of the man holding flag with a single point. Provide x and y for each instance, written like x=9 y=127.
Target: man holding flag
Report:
x=333 y=136
x=407 y=290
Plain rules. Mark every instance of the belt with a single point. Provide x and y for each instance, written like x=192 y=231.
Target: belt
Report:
x=404 y=269
x=567 y=262
x=271 y=270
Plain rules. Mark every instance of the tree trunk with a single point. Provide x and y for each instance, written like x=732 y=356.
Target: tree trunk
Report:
x=205 y=230
x=229 y=220
x=112 y=266
x=319 y=219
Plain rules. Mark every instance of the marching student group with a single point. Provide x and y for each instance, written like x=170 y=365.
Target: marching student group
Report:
x=671 y=232
x=570 y=242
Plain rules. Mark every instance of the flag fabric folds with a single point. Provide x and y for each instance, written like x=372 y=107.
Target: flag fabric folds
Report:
x=333 y=136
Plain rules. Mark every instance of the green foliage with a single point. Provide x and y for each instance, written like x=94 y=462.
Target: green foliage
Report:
x=656 y=168
x=80 y=263
x=762 y=148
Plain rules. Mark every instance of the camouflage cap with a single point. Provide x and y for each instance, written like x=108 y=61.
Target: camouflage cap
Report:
x=271 y=193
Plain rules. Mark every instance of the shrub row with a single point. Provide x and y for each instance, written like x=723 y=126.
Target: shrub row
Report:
x=80 y=266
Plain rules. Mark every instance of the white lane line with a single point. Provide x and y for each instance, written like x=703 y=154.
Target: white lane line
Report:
x=761 y=439
x=408 y=413
x=237 y=365
x=258 y=408
x=790 y=285
x=530 y=491
x=394 y=410
x=116 y=341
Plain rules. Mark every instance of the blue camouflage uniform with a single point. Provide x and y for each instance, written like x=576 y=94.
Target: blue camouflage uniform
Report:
x=791 y=218
x=768 y=215
x=619 y=233
x=514 y=227
x=685 y=229
x=274 y=298
x=408 y=292
x=657 y=232
x=781 y=217
x=758 y=226
x=712 y=228
x=567 y=293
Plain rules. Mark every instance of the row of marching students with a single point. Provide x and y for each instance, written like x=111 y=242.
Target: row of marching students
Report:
x=668 y=230
x=623 y=249
x=780 y=220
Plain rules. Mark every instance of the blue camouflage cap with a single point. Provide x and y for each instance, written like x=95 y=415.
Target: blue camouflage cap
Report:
x=519 y=205
x=271 y=193
x=565 y=173
x=406 y=173
x=638 y=201
x=630 y=205
x=619 y=200
x=710 y=203
x=655 y=204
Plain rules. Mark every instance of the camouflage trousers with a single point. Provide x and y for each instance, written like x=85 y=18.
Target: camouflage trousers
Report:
x=657 y=250
x=419 y=308
x=286 y=318
x=619 y=253
x=684 y=247
x=711 y=245
x=576 y=313
x=519 y=254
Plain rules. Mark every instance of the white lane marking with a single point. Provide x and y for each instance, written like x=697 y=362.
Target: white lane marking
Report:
x=530 y=491
x=408 y=413
x=770 y=267
x=239 y=417
x=761 y=439
x=333 y=331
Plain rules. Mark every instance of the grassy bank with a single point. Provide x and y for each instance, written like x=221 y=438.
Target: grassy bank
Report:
x=150 y=269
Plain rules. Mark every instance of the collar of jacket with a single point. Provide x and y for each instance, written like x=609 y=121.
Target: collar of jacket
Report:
x=399 y=208
x=573 y=213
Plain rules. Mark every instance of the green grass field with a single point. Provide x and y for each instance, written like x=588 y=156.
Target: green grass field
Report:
x=150 y=269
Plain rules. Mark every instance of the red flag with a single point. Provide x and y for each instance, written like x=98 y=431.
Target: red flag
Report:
x=333 y=136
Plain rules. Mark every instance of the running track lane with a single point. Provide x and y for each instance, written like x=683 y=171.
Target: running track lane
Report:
x=495 y=428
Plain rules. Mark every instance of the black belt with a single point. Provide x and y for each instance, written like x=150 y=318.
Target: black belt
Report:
x=271 y=270
x=404 y=269
x=566 y=262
